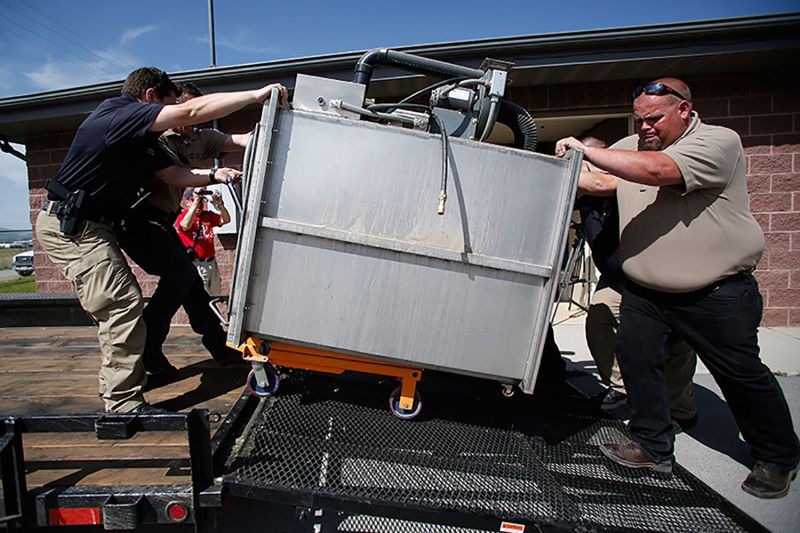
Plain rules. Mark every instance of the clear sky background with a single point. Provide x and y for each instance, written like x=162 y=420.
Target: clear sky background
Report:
x=54 y=44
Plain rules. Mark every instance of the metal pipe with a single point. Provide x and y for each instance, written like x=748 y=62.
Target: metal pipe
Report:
x=367 y=63
x=211 y=33
x=338 y=104
x=213 y=50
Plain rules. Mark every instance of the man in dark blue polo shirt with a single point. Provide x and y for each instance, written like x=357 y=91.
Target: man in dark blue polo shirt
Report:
x=148 y=236
x=112 y=152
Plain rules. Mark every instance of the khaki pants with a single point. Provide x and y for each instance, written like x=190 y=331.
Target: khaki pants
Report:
x=602 y=322
x=209 y=273
x=107 y=289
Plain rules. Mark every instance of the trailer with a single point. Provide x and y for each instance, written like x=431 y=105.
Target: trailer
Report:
x=326 y=455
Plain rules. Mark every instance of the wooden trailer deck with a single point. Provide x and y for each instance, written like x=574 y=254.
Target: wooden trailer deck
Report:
x=53 y=370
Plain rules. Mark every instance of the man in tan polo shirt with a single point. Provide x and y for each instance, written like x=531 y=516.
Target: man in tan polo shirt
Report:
x=600 y=220
x=688 y=244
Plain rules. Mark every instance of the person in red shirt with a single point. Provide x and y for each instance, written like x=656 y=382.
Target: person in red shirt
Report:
x=195 y=228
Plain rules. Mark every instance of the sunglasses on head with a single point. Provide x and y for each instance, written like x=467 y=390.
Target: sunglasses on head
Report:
x=657 y=89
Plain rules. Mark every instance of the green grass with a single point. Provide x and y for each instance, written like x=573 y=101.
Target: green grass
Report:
x=27 y=284
x=7 y=254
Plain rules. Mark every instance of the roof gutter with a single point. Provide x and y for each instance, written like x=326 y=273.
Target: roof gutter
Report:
x=662 y=34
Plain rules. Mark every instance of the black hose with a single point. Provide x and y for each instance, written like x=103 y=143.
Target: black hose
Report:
x=521 y=124
x=443 y=137
x=362 y=73
x=378 y=56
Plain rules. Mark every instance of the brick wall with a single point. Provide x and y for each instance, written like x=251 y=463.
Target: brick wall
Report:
x=45 y=154
x=763 y=109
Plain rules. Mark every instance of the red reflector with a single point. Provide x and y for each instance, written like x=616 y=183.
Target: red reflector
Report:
x=70 y=516
x=177 y=511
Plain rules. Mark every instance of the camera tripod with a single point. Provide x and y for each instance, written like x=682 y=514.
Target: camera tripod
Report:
x=576 y=257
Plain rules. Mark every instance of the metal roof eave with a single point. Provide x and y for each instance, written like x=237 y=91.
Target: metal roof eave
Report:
x=550 y=52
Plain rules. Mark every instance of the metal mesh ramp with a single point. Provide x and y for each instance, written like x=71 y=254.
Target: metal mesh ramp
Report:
x=472 y=459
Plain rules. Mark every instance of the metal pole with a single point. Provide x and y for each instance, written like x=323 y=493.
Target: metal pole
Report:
x=211 y=33
x=212 y=44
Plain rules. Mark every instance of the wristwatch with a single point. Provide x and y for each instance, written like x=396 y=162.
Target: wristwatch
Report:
x=211 y=179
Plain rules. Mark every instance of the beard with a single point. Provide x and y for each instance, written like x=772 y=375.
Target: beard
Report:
x=654 y=145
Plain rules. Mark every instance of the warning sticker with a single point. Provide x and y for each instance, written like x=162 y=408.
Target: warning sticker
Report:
x=508 y=527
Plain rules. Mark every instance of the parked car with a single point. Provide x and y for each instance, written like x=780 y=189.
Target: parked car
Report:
x=23 y=263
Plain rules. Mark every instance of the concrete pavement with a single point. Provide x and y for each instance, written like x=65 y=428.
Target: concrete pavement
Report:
x=6 y=275
x=713 y=450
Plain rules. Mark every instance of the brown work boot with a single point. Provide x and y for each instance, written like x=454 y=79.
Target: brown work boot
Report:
x=633 y=456
x=768 y=480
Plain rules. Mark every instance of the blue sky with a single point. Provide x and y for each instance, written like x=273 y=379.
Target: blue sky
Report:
x=55 y=44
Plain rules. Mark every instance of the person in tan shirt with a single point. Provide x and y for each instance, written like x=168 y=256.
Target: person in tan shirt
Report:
x=600 y=220
x=688 y=244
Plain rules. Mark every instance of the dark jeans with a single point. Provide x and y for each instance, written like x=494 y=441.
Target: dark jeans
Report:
x=720 y=323
x=147 y=236
x=552 y=368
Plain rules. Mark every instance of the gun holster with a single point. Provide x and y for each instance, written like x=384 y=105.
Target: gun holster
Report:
x=71 y=213
x=70 y=209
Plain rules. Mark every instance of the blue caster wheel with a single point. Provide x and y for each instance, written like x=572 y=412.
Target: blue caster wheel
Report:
x=269 y=388
x=399 y=412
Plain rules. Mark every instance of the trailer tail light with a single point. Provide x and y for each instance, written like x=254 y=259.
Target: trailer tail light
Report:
x=177 y=512
x=73 y=516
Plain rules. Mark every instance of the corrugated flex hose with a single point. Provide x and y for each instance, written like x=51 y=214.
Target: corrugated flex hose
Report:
x=521 y=124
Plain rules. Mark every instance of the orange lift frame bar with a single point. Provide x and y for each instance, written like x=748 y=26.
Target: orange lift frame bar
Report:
x=291 y=356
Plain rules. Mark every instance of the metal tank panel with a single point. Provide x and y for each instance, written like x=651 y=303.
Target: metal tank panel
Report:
x=347 y=251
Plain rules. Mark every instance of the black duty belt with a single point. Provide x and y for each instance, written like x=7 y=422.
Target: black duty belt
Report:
x=56 y=207
x=680 y=298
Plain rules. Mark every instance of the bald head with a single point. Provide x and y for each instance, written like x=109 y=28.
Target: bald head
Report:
x=662 y=111
x=594 y=142
x=679 y=85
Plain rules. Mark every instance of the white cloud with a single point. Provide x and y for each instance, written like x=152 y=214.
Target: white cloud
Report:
x=135 y=33
x=243 y=42
x=52 y=75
